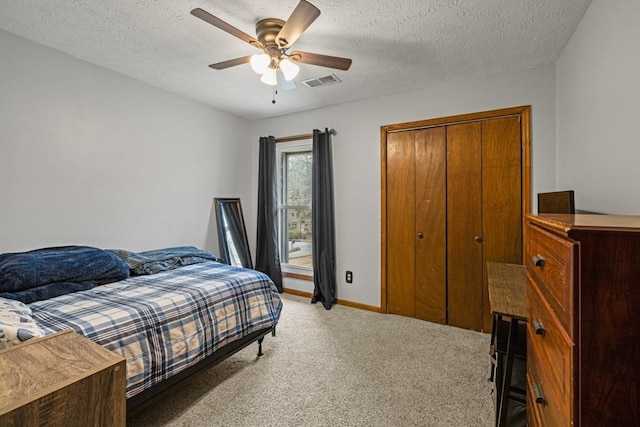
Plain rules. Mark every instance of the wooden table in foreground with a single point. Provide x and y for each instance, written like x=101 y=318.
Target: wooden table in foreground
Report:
x=63 y=379
x=507 y=285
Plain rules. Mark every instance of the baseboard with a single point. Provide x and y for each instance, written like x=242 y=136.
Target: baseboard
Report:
x=346 y=303
x=297 y=293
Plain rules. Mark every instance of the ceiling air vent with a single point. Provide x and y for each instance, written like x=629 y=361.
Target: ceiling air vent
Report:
x=321 y=81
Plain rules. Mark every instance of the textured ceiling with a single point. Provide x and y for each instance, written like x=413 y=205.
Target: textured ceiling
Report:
x=396 y=45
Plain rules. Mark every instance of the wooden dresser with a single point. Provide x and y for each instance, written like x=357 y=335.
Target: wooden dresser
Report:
x=583 y=335
x=62 y=379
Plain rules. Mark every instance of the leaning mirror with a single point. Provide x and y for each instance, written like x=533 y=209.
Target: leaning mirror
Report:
x=232 y=234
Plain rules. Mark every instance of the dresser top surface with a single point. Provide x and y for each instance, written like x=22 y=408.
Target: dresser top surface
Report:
x=566 y=222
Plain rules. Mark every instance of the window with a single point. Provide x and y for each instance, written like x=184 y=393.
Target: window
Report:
x=295 y=161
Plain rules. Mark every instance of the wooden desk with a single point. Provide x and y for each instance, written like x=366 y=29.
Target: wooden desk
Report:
x=507 y=285
x=62 y=379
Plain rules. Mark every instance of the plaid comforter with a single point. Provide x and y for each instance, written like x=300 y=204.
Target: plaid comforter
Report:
x=166 y=322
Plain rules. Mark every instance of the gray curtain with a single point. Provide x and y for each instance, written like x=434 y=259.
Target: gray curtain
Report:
x=267 y=255
x=323 y=224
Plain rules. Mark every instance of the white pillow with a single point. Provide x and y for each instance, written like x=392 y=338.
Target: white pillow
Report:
x=16 y=323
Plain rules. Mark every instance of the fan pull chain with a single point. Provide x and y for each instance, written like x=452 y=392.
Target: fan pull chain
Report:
x=275 y=92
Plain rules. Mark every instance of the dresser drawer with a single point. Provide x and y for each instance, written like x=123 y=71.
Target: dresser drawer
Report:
x=550 y=261
x=550 y=356
x=544 y=413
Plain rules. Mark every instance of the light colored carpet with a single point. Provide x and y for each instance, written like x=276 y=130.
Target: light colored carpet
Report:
x=343 y=367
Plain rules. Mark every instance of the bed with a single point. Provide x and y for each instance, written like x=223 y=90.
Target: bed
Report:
x=186 y=312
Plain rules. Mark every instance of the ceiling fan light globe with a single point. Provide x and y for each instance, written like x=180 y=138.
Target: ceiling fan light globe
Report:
x=289 y=69
x=260 y=63
x=269 y=77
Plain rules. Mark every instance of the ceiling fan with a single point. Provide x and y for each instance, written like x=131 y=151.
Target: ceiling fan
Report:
x=274 y=37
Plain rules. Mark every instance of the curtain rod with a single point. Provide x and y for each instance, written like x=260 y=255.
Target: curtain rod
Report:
x=301 y=137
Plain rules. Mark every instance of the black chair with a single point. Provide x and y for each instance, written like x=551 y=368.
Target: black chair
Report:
x=517 y=375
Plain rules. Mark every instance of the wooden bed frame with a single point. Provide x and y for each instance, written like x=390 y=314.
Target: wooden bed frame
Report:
x=149 y=396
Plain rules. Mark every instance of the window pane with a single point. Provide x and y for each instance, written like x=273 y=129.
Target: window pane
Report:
x=294 y=204
x=298 y=246
x=298 y=179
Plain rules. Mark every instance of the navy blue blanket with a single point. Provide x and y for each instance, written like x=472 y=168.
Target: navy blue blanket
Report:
x=49 y=272
x=155 y=261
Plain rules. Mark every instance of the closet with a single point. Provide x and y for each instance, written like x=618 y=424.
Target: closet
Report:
x=453 y=195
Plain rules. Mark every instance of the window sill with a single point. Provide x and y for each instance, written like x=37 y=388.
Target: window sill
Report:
x=298 y=273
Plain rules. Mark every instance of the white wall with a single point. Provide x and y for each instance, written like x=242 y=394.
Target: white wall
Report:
x=356 y=151
x=89 y=156
x=598 y=93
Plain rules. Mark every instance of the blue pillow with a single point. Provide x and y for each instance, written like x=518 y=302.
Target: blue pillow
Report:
x=74 y=264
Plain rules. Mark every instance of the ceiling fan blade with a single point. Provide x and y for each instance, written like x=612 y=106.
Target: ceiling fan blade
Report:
x=217 y=22
x=231 y=63
x=321 y=60
x=302 y=16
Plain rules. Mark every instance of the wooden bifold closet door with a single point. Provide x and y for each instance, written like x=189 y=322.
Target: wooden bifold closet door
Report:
x=453 y=201
x=416 y=265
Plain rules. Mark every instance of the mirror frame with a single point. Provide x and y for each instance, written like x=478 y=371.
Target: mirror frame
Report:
x=224 y=245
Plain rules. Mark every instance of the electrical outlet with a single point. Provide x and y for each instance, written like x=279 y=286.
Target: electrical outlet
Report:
x=349 y=277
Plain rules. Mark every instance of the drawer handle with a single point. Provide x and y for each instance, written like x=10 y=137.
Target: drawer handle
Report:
x=537 y=326
x=538 y=261
x=537 y=391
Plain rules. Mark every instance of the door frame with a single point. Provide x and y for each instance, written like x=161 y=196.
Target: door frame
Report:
x=524 y=112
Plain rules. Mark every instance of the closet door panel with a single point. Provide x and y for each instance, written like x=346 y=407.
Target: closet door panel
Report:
x=454 y=198
x=430 y=220
x=401 y=223
x=464 y=225
x=501 y=197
